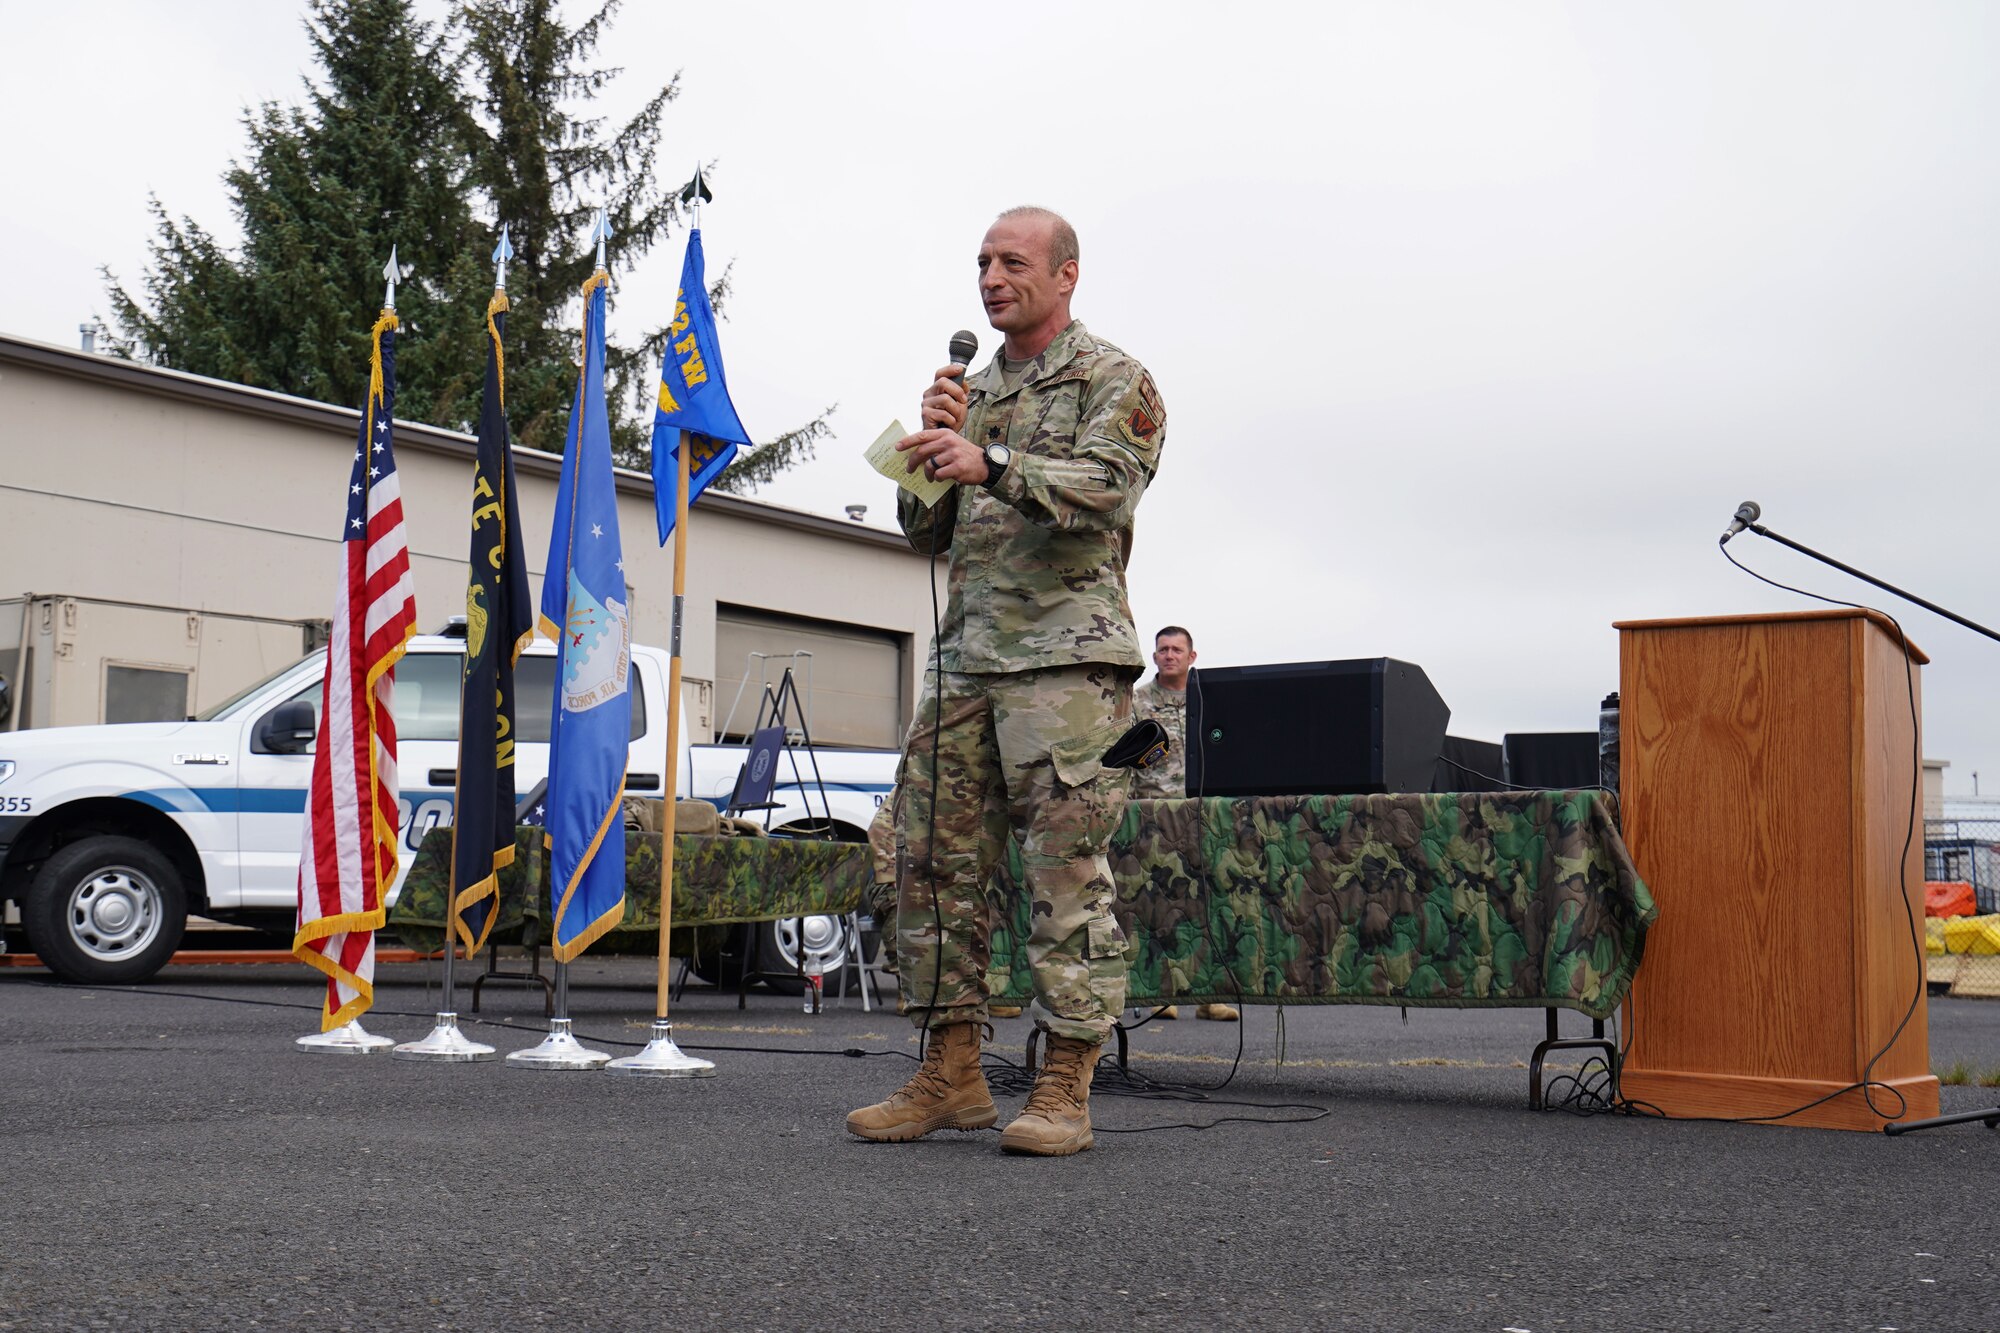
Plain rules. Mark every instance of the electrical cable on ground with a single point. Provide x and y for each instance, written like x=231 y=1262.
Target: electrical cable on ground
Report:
x=1007 y=1077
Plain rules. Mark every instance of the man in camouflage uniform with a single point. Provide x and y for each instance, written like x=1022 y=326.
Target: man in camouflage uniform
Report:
x=1164 y=700
x=1049 y=447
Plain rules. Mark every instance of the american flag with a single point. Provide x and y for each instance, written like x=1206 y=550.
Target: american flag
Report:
x=349 y=852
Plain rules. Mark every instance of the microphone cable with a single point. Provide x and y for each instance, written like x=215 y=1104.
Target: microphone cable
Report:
x=965 y=340
x=930 y=809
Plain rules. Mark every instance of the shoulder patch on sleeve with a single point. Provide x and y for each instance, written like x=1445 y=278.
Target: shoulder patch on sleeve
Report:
x=1142 y=423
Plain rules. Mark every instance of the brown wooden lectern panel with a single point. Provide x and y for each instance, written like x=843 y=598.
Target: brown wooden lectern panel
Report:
x=1765 y=777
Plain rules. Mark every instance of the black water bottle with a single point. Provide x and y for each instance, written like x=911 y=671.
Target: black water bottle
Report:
x=1607 y=743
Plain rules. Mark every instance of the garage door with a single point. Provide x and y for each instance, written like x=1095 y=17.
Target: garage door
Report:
x=856 y=674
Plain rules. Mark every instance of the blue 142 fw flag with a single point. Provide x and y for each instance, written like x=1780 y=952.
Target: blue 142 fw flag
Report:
x=584 y=611
x=694 y=397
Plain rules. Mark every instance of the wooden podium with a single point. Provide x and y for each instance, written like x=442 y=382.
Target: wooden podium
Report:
x=1766 y=772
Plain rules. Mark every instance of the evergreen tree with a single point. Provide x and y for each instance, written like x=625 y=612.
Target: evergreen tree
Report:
x=374 y=158
x=389 y=148
x=546 y=170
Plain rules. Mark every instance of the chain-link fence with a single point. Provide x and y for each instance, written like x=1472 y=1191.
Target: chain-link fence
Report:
x=1962 y=896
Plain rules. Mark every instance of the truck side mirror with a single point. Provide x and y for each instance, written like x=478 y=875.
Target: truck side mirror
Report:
x=287 y=729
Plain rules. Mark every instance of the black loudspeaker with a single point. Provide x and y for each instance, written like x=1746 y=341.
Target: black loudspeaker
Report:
x=1552 y=760
x=1313 y=729
x=1469 y=765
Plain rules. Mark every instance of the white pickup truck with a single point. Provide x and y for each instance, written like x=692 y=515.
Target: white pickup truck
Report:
x=110 y=836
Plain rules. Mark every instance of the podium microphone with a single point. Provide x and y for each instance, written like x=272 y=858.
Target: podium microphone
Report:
x=1747 y=515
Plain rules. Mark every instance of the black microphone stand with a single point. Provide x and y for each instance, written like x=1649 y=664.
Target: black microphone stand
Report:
x=1803 y=549
x=1991 y=1115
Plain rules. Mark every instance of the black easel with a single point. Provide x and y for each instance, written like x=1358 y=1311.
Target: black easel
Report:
x=780 y=708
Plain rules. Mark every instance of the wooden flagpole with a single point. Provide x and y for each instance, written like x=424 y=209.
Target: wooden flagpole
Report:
x=673 y=721
x=662 y=1058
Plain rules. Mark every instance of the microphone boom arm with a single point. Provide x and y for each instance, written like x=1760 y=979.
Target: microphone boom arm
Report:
x=1803 y=549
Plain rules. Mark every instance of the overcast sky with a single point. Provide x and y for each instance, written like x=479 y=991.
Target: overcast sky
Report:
x=1474 y=322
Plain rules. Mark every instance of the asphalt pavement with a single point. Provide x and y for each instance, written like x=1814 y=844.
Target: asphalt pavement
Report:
x=173 y=1163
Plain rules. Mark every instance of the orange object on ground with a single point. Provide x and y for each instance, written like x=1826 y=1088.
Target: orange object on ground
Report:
x=1949 y=899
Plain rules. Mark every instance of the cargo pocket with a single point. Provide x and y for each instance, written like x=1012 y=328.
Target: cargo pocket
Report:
x=1104 y=940
x=1080 y=762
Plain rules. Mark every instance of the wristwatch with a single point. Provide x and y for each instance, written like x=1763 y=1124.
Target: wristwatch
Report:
x=998 y=456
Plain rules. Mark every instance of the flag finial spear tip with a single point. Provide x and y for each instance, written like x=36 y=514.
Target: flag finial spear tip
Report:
x=696 y=193
x=600 y=231
x=501 y=254
x=391 y=273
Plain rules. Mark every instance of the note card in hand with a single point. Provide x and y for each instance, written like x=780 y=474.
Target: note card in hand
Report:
x=882 y=456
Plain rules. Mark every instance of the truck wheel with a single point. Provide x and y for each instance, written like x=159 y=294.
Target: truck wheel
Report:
x=782 y=941
x=779 y=942
x=104 y=910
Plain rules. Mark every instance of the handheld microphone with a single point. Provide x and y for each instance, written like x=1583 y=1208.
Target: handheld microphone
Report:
x=963 y=347
x=1747 y=513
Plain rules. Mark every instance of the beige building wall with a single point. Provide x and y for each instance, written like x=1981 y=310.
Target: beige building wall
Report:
x=129 y=483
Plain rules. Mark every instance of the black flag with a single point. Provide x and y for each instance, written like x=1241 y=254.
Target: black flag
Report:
x=499 y=623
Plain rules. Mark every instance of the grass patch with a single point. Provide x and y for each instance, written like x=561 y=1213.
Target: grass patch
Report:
x=757 y=1029
x=1990 y=1079
x=1957 y=1076
x=1199 y=1058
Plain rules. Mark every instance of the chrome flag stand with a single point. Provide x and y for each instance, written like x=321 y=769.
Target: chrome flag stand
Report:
x=560 y=1050
x=663 y=1059
x=445 y=1044
x=349 y=1038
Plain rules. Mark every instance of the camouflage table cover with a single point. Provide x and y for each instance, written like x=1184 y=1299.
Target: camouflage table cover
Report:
x=716 y=881
x=1449 y=900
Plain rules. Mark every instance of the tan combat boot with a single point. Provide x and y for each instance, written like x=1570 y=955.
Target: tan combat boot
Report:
x=1218 y=1013
x=1056 y=1121
x=948 y=1091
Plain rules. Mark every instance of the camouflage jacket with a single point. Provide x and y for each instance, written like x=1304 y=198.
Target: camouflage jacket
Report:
x=1168 y=778
x=1037 y=576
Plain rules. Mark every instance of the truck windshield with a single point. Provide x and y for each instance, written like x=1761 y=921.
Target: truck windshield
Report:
x=210 y=714
x=427 y=697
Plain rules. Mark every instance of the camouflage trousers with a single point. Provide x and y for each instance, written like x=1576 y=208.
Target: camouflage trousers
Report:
x=882 y=851
x=1023 y=749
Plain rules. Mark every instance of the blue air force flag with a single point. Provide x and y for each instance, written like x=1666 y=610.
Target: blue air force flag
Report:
x=584 y=611
x=694 y=397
